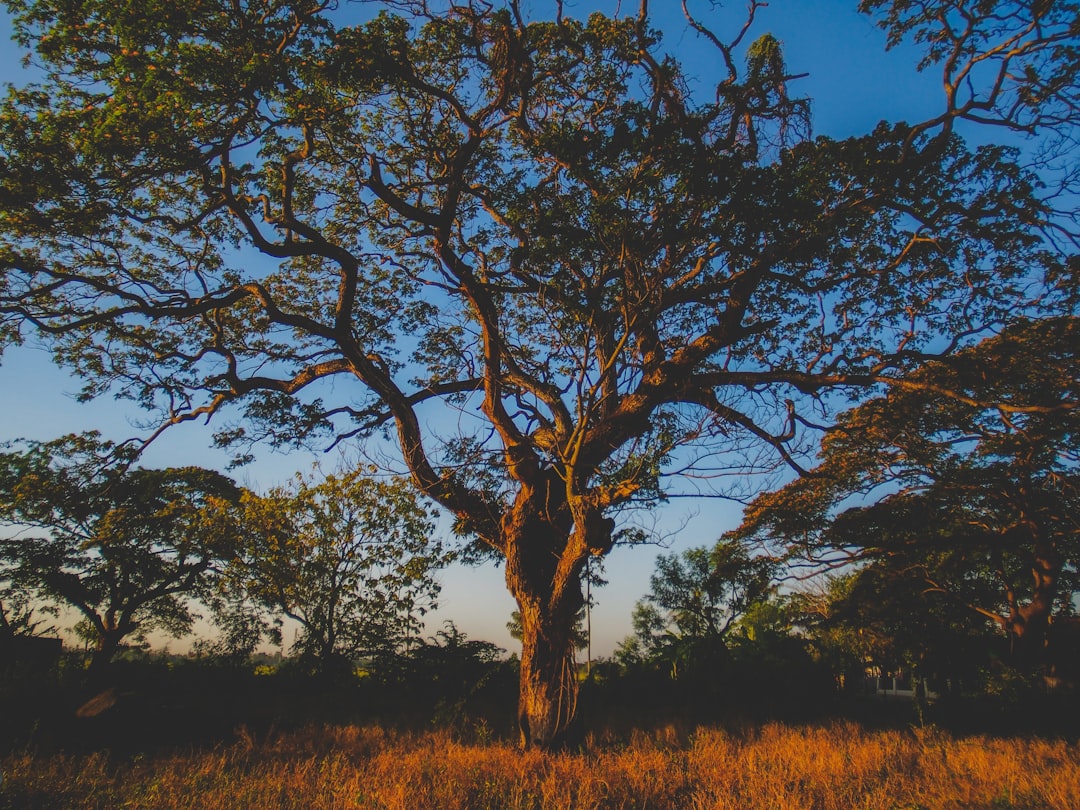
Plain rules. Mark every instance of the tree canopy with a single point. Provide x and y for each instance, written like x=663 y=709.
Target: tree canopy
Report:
x=331 y=226
x=124 y=547
x=695 y=598
x=350 y=557
x=965 y=480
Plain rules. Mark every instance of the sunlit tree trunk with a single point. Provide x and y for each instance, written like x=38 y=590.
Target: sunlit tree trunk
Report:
x=544 y=561
x=548 y=689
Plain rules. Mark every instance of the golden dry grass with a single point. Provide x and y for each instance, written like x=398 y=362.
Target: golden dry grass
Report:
x=776 y=766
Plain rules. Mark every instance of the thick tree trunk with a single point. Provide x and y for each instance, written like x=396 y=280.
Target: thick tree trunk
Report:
x=544 y=560
x=1027 y=629
x=1028 y=624
x=107 y=645
x=548 y=689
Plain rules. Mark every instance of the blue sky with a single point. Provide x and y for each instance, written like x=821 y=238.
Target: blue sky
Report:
x=853 y=83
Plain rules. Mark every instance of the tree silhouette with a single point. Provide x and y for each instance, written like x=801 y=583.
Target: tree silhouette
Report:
x=967 y=479
x=124 y=547
x=695 y=598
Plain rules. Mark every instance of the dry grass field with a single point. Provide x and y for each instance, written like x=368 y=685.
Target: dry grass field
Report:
x=840 y=765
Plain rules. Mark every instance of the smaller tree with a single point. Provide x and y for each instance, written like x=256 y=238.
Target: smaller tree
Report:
x=454 y=670
x=696 y=599
x=350 y=558
x=124 y=547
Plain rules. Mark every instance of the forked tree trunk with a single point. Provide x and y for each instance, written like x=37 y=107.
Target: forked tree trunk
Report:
x=546 y=540
x=543 y=572
x=1027 y=629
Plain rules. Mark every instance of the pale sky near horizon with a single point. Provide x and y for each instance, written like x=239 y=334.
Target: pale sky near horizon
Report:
x=853 y=83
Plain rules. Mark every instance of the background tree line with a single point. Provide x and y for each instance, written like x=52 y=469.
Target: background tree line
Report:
x=350 y=558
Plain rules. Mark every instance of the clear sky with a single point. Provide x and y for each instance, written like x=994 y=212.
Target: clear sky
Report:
x=853 y=83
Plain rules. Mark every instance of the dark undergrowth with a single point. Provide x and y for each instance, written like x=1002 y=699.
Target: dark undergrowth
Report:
x=161 y=703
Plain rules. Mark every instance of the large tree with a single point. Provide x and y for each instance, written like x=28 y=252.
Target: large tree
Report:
x=962 y=480
x=126 y=548
x=601 y=275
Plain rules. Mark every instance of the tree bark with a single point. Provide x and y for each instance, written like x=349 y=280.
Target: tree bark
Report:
x=1028 y=624
x=545 y=557
x=548 y=689
x=107 y=644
